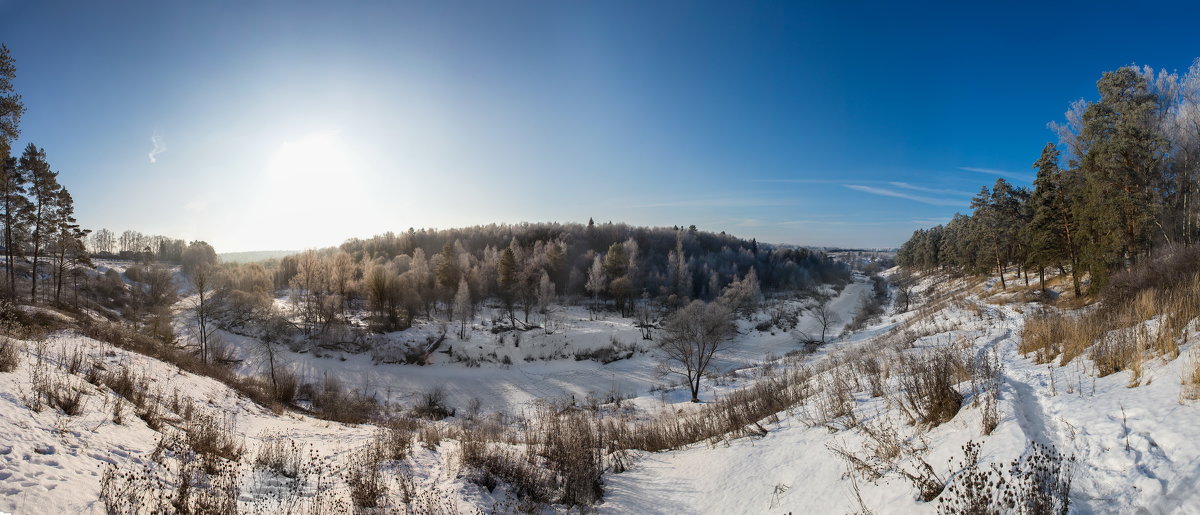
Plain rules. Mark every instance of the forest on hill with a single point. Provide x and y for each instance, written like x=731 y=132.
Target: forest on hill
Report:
x=1121 y=183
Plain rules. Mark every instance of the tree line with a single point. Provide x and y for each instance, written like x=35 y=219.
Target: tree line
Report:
x=133 y=245
x=1120 y=184
x=41 y=237
x=398 y=277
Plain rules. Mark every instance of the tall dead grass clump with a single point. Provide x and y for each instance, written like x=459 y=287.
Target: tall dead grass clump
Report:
x=334 y=402
x=1189 y=375
x=365 y=478
x=280 y=454
x=927 y=393
x=213 y=437
x=10 y=354
x=1147 y=311
x=1140 y=318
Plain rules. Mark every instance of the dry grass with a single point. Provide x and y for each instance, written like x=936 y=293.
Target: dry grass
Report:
x=10 y=354
x=1130 y=328
x=1189 y=375
x=281 y=455
x=927 y=393
x=211 y=436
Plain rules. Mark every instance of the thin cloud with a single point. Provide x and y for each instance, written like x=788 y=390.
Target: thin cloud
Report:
x=160 y=146
x=1001 y=173
x=907 y=196
x=721 y=202
x=803 y=181
x=814 y=222
x=854 y=222
x=914 y=187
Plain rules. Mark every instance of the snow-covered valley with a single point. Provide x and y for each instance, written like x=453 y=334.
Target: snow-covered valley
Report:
x=1127 y=449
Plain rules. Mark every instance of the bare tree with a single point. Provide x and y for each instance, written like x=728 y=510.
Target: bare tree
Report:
x=692 y=336
x=906 y=292
x=645 y=317
x=205 y=306
x=276 y=330
x=826 y=318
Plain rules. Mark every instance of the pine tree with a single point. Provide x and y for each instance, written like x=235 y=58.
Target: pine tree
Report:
x=447 y=269
x=11 y=107
x=1053 y=230
x=615 y=261
x=42 y=217
x=16 y=209
x=66 y=241
x=1121 y=170
x=508 y=281
x=12 y=181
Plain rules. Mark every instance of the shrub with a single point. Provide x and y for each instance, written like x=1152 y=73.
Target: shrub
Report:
x=606 y=355
x=66 y=395
x=1160 y=272
x=432 y=405
x=334 y=403
x=1038 y=482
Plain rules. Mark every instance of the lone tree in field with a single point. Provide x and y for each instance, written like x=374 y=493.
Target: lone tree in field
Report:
x=826 y=318
x=691 y=337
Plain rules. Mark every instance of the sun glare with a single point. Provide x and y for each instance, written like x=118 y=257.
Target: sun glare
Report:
x=309 y=182
x=311 y=167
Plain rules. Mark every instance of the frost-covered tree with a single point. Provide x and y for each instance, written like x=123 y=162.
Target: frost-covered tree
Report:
x=597 y=280
x=743 y=296
x=545 y=293
x=463 y=307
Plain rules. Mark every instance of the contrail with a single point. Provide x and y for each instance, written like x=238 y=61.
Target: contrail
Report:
x=159 y=147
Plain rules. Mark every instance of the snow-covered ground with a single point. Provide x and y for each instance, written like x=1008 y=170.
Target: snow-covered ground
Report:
x=543 y=362
x=1135 y=448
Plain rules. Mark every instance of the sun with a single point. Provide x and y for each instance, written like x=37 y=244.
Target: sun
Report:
x=314 y=167
x=310 y=186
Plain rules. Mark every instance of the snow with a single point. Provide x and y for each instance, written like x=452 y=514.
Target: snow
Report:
x=543 y=364
x=1135 y=448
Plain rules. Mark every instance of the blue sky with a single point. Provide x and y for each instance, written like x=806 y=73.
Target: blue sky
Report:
x=292 y=125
